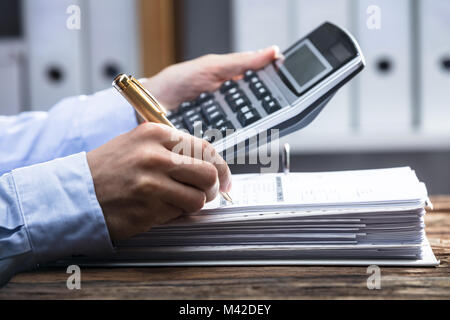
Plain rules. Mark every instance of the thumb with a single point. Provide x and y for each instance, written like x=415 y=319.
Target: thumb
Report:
x=235 y=64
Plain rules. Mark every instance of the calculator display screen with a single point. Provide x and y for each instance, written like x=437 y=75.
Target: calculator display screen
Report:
x=303 y=66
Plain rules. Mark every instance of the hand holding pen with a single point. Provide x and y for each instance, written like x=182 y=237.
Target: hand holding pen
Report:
x=137 y=184
x=145 y=104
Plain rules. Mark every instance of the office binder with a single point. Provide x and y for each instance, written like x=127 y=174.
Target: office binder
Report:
x=336 y=117
x=384 y=96
x=261 y=23
x=11 y=82
x=435 y=65
x=55 y=52
x=113 y=41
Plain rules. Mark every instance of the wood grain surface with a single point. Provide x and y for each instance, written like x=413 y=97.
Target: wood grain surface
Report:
x=275 y=282
x=157 y=35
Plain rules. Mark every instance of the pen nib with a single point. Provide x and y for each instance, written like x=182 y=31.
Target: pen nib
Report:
x=227 y=197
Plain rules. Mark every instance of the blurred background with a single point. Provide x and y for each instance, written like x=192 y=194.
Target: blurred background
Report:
x=396 y=113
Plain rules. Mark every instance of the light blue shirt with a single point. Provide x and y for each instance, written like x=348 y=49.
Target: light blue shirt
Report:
x=48 y=206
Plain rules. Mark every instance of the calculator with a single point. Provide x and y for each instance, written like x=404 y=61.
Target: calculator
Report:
x=286 y=95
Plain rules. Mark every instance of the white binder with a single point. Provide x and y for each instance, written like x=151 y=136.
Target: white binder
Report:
x=54 y=52
x=336 y=117
x=435 y=54
x=261 y=23
x=11 y=83
x=385 y=96
x=113 y=41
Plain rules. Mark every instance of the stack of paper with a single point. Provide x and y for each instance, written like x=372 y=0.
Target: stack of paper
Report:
x=353 y=217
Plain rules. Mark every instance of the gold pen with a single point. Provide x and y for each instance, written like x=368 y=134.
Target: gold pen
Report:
x=145 y=104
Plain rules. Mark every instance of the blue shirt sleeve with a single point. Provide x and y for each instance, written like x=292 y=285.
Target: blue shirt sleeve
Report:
x=49 y=211
x=48 y=206
x=73 y=125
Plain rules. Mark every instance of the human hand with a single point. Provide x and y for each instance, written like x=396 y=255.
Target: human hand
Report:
x=185 y=81
x=140 y=183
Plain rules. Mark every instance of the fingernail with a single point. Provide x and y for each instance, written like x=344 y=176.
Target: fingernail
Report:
x=277 y=52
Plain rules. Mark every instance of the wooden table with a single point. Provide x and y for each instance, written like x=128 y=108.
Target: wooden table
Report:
x=251 y=282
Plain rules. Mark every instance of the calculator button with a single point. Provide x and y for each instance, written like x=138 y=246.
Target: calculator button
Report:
x=211 y=108
x=253 y=79
x=238 y=104
x=235 y=96
x=249 y=117
x=212 y=113
x=185 y=106
x=245 y=109
x=259 y=90
x=215 y=116
x=190 y=121
x=195 y=128
x=227 y=128
x=258 y=85
x=268 y=98
x=233 y=91
x=271 y=106
x=261 y=93
x=191 y=112
x=227 y=85
x=223 y=123
x=219 y=123
x=223 y=126
x=248 y=75
x=204 y=96
x=209 y=102
x=232 y=97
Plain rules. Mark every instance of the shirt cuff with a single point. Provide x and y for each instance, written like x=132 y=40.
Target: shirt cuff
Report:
x=60 y=209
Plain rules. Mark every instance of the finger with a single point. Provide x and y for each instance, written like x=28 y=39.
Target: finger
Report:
x=167 y=212
x=183 y=143
x=203 y=176
x=184 y=197
x=223 y=171
x=235 y=64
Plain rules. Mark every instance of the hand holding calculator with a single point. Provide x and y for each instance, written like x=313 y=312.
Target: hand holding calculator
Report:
x=286 y=95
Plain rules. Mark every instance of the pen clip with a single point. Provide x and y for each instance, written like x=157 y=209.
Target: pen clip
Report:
x=286 y=158
x=160 y=108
